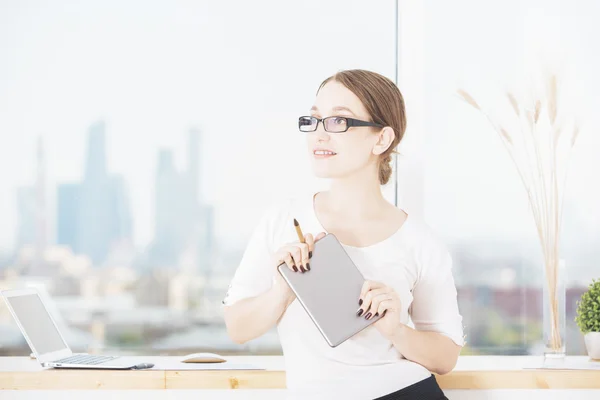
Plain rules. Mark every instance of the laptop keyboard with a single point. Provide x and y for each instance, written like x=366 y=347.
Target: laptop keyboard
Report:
x=84 y=359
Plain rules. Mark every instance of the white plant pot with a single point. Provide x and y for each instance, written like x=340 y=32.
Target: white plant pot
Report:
x=592 y=343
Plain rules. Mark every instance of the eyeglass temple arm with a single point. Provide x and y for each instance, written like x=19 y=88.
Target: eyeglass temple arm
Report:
x=356 y=122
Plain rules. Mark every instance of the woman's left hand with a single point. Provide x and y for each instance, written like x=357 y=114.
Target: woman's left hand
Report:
x=379 y=299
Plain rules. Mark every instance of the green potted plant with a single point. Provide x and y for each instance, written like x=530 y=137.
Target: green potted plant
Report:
x=588 y=319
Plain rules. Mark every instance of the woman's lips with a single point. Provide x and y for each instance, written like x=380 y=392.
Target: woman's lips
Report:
x=320 y=153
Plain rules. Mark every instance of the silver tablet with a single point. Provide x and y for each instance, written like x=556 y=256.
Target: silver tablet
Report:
x=329 y=292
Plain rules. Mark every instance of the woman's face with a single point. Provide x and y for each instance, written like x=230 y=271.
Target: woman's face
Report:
x=352 y=150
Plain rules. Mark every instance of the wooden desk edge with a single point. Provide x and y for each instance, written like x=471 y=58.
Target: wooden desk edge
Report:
x=225 y=379
x=238 y=379
x=69 y=379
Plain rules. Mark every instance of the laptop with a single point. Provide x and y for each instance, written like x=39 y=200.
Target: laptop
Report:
x=329 y=292
x=46 y=341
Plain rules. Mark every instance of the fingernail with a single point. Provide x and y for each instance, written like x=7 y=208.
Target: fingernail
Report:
x=384 y=311
x=360 y=302
x=295 y=268
x=307 y=266
x=359 y=312
x=369 y=315
x=376 y=314
x=310 y=254
x=302 y=269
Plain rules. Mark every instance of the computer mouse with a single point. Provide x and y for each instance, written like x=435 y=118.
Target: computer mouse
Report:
x=203 y=358
x=144 y=366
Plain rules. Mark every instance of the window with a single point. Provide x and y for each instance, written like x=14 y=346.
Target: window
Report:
x=141 y=142
x=473 y=194
x=152 y=137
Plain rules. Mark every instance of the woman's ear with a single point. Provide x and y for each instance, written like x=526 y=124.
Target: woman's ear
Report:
x=385 y=140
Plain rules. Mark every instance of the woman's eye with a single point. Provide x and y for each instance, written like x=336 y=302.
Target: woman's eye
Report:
x=339 y=121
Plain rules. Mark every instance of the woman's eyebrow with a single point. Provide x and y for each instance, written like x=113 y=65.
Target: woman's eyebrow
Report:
x=338 y=108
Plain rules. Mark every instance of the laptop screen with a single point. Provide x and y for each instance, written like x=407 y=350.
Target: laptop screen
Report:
x=35 y=320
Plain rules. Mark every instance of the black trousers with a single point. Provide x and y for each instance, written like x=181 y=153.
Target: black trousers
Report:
x=427 y=389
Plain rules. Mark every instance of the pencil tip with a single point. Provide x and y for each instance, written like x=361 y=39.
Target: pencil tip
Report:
x=296 y=222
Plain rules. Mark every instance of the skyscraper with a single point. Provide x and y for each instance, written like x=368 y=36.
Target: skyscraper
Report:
x=95 y=161
x=94 y=215
x=168 y=225
x=67 y=216
x=32 y=213
x=26 y=210
x=94 y=212
x=41 y=216
x=183 y=223
x=193 y=171
x=120 y=212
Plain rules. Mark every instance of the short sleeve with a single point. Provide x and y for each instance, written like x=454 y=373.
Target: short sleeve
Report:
x=435 y=306
x=254 y=274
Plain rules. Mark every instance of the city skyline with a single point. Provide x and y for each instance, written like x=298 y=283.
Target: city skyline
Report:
x=93 y=215
x=179 y=242
x=54 y=83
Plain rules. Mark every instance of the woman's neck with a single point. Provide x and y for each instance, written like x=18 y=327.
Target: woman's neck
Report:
x=357 y=196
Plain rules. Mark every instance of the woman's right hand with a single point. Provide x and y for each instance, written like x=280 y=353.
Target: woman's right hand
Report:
x=296 y=256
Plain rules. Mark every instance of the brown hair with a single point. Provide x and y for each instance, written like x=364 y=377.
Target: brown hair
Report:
x=384 y=103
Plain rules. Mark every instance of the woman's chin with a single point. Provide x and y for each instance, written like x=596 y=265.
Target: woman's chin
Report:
x=328 y=174
x=323 y=174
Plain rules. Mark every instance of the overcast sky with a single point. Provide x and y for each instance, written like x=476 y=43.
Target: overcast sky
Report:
x=243 y=71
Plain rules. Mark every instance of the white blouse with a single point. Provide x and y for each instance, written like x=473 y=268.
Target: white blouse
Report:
x=412 y=261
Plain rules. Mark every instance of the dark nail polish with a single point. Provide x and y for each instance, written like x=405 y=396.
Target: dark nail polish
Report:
x=376 y=314
x=310 y=254
x=360 y=302
x=360 y=311
x=383 y=315
x=368 y=316
x=295 y=268
x=302 y=269
x=307 y=266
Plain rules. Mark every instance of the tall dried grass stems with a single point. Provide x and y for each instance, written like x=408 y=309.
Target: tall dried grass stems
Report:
x=534 y=149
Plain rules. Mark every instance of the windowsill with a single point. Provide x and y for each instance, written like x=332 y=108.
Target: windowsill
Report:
x=471 y=372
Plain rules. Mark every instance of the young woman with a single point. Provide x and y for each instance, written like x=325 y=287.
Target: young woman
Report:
x=354 y=126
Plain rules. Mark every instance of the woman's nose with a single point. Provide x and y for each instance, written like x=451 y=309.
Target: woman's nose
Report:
x=321 y=133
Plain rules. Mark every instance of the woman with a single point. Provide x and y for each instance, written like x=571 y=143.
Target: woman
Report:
x=357 y=121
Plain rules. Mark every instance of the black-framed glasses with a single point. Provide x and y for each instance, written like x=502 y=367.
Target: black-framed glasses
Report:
x=332 y=124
